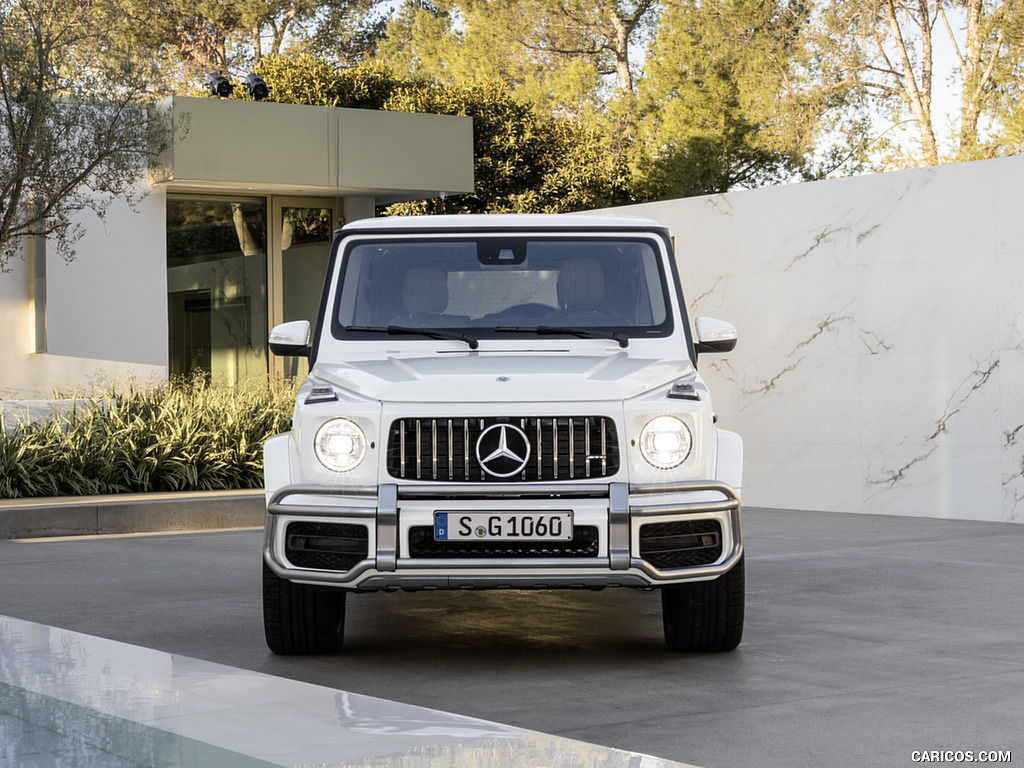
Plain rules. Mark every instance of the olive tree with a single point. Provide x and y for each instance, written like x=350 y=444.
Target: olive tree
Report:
x=75 y=133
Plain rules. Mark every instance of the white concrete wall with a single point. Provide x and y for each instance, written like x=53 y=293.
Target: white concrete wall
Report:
x=880 y=367
x=106 y=310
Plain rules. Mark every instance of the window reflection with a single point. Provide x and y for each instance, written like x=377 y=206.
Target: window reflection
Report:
x=217 y=286
x=305 y=249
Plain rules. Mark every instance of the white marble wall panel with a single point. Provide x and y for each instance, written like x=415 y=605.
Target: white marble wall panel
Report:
x=927 y=399
x=793 y=230
x=917 y=215
x=790 y=400
x=800 y=475
x=1010 y=296
x=1011 y=432
x=938 y=481
x=944 y=304
x=880 y=367
x=826 y=325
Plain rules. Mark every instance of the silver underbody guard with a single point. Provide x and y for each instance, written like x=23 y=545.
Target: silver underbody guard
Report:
x=382 y=537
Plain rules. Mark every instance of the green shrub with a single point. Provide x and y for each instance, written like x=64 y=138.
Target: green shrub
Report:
x=183 y=436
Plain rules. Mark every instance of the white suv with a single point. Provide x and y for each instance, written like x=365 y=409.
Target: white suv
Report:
x=503 y=402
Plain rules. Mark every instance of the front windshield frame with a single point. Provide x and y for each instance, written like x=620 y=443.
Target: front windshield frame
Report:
x=627 y=258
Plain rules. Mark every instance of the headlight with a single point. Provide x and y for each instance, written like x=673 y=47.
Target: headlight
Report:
x=665 y=442
x=340 y=445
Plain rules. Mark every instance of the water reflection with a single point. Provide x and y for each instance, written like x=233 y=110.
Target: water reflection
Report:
x=38 y=731
x=69 y=700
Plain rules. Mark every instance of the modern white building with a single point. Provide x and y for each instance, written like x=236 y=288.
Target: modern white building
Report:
x=231 y=239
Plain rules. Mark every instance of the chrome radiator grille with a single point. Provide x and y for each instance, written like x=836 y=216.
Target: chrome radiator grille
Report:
x=450 y=449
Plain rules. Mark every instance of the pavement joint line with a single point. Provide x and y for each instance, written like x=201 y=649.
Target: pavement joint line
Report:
x=135 y=535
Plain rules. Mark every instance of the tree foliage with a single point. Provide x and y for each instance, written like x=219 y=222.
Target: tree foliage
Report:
x=524 y=161
x=560 y=56
x=723 y=103
x=720 y=99
x=74 y=129
x=890 y=51
x=191 y=38
x=304 y=78
x=603 y=31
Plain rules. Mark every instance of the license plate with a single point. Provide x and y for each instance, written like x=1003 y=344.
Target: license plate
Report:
x=488 y=526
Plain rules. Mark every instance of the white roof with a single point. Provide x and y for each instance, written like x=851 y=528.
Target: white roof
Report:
x=503 y=221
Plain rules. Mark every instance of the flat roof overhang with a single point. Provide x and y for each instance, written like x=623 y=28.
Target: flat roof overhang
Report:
x=232 y=145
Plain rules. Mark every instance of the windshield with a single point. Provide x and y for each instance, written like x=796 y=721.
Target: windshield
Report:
x=487 y=286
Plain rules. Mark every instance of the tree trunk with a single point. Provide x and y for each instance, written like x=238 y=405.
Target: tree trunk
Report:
x=918 y=97
x=975 y=74
x=621 y=43
x=257 y=44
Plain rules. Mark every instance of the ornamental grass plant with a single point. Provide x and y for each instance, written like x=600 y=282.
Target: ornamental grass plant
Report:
x=183 y=436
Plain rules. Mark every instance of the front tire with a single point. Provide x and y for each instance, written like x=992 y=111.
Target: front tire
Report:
x=299 y=619
x=705 y=615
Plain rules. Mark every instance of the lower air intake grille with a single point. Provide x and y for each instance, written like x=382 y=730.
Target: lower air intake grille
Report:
x=326 y=546
x=681 y=544
x=422 y=545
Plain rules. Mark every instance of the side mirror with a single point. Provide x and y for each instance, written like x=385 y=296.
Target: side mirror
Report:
x=714 y=335
x=290 y=339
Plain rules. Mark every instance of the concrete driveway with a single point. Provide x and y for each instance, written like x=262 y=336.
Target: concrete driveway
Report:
x=869 y=640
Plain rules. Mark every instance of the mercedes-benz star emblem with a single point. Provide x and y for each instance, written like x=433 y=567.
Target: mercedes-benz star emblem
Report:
x=503 y=450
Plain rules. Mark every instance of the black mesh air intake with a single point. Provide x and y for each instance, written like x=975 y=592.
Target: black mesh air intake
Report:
x=681 y=544
x=326 y=546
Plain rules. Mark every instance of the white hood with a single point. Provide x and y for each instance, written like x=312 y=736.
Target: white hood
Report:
x=504 y=377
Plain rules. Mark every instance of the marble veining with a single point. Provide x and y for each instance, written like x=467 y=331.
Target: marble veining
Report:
x=828 y=324
x=978 y=379
x=892 y=478
x=768 y=386
x=1011 y=436
x=827 y=235
x=874 y=343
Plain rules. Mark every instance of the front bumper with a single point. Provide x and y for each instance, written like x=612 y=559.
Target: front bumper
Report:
x=366 y=538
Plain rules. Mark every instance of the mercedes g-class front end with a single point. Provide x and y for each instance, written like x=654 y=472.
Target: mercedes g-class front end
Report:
x=503 y=402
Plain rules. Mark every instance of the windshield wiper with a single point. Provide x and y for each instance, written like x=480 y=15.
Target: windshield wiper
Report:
x=430 y=333
x=568 y=330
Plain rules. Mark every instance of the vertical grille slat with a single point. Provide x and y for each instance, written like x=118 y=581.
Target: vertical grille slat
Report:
x=586 y=448
x=451 y=451
x=572 y=450
x=443 y=449
x=419 y=451
x=604 y=449
x=554 y=441
x=402 y=444
x=433 y=448
x=538 y=448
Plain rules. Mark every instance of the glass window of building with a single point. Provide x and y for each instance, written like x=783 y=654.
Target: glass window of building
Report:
x=217 y=286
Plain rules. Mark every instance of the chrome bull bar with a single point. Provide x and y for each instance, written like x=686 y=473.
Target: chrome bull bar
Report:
x=626 y=502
